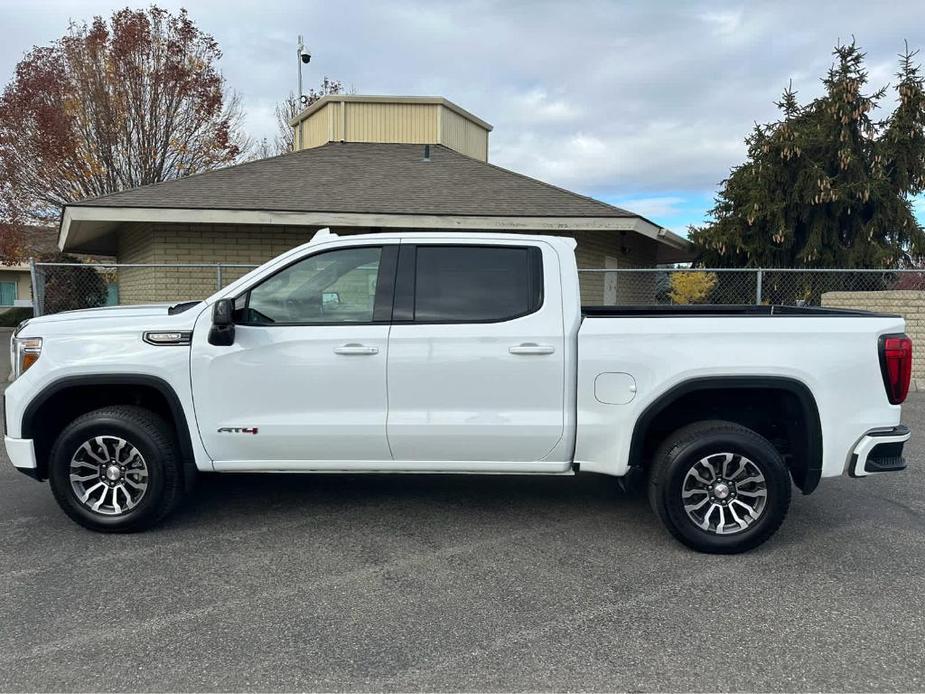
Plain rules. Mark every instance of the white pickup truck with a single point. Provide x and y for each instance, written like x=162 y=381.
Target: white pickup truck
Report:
x=442 y=353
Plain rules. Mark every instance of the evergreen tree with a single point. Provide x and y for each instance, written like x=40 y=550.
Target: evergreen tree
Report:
x=826 y=185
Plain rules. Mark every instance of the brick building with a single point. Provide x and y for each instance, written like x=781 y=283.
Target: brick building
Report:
x=362 y=164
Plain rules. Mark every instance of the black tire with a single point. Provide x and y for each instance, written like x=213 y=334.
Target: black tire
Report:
x=153 y=438
x=682 y=451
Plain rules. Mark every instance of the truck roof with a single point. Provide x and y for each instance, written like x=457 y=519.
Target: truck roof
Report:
x=325 y=234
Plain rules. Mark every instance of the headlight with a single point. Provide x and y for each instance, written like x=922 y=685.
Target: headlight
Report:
x=24 y=352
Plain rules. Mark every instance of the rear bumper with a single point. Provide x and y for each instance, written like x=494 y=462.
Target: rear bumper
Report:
x=22 y=455
x=879 y=451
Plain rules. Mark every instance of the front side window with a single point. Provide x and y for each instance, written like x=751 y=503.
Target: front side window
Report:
x=334 y=287
x=476 y=283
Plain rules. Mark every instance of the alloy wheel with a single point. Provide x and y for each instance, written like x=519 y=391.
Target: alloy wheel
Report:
x=724 y=493
x=108 y=475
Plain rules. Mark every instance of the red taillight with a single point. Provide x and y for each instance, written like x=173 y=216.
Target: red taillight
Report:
x=896 y=365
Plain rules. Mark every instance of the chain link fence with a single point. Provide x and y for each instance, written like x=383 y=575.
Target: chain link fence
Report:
x=622 y=287
x=68 y=286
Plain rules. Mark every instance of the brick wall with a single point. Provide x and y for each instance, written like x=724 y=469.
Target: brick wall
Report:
x=195 y=243
x=909 y=304
x=628 y=250
x=253 y=245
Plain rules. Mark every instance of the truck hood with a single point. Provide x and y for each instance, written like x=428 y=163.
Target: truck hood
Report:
x=108 y=313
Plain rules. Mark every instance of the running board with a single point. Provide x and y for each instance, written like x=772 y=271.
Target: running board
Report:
x=391 y=467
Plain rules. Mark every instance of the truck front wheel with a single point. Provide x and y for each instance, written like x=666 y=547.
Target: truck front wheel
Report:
x=116 y=469
x=719 y=487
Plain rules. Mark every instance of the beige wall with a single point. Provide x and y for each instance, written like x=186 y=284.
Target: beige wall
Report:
x=253 y=245
x=907 y=303
x=197 y=243
x=23 y=279
x=462 y=134
x=629 y=250
x=409 y=123
x=24 y=285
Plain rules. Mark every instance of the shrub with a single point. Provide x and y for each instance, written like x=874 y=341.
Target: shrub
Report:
x=14 y=316
x=691 y=287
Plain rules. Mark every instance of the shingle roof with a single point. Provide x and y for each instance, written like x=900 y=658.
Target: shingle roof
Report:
x=366 y=178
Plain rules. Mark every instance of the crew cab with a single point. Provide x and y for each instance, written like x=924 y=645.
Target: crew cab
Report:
x=445 y=353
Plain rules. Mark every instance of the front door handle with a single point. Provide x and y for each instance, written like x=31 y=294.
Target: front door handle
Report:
x=355 y=348
x=531 y=348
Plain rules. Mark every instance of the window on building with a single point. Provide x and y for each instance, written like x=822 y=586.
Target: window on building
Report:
x=7 y=293
x=476 y=283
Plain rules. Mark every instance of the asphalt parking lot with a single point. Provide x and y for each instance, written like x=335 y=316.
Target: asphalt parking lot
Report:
x=462 y=583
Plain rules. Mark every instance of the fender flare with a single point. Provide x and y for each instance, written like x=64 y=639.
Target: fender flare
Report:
x=112 y=379
x=806 y=479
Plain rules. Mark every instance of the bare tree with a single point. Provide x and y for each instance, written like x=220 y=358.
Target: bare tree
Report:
x=290 y=107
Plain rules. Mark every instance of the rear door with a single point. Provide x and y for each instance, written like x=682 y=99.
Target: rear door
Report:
x=476 y=353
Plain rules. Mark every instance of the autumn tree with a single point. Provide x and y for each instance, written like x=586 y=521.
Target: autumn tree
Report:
x=291 y=106
x=826 y=185
x=113 y=105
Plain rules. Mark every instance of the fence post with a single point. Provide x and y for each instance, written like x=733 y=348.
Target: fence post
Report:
x=218 y=277
x=36 y=302
x=758 y=281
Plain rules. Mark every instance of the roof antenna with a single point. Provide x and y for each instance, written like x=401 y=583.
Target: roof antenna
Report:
x=426 y=153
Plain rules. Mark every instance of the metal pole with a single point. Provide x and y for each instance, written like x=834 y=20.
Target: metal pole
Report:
x=36 y=304
x=299 y=50
x=218 y=277
x=298 y=97
x=758 y=287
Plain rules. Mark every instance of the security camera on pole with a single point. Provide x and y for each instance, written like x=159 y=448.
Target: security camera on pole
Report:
x=305 y=57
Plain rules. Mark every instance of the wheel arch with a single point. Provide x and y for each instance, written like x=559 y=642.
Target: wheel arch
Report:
x=805 y=427
x=50 y=407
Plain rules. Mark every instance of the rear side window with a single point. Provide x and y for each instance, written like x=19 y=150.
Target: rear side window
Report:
x=476 y=283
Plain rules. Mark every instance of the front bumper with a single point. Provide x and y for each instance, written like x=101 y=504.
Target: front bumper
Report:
x=879 y=451
x=22 y=455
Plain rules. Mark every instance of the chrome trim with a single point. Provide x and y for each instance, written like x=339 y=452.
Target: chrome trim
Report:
x=167 y=338
x=857 y=458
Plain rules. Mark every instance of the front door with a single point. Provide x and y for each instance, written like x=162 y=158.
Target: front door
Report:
x=305 y=380
x=476 y=354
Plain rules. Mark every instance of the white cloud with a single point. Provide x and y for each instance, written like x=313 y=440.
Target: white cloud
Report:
x=611 y=98
x=723 y=23
x=654 y=208
x=537 y=106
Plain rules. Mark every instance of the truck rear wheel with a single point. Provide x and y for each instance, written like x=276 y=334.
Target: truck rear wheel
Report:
x=719 y=487
x=116 y=469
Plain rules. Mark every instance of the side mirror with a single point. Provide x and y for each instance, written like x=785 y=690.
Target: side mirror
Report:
x=222 y=332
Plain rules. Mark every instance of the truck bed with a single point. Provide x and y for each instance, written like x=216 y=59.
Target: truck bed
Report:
x=713 y=310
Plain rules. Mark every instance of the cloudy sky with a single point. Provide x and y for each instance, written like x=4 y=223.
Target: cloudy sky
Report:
x=642 y=104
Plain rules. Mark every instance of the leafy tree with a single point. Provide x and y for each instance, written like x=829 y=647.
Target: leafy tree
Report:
x=113 y=105
x=291 y=106
x=826 y=185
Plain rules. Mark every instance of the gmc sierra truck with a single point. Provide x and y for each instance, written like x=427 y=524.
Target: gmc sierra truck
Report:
x=443 y=353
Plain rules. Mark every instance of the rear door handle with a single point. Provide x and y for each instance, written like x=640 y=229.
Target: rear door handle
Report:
x=531 y=348
x=355 y=348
